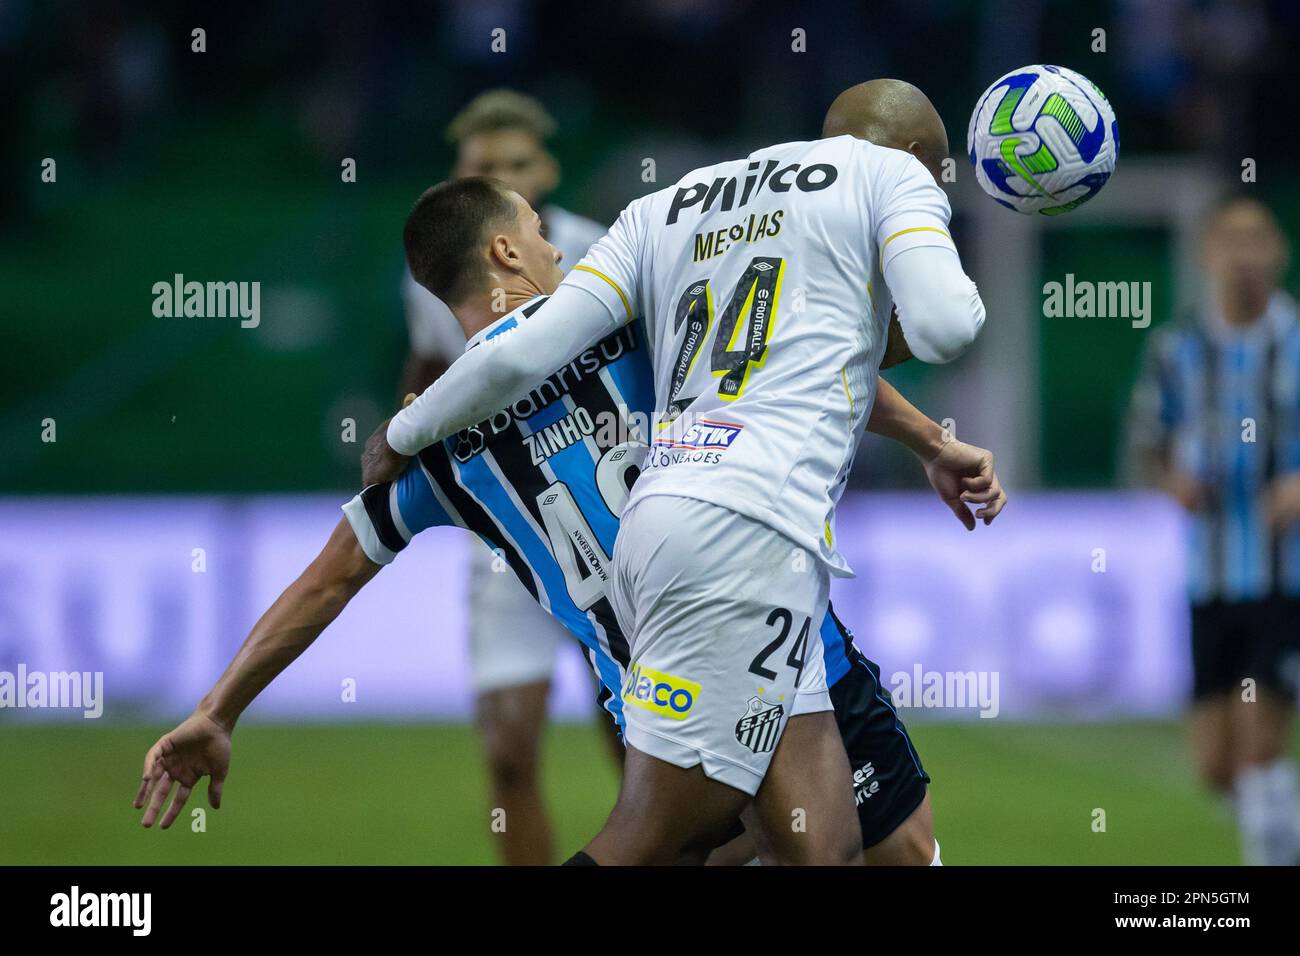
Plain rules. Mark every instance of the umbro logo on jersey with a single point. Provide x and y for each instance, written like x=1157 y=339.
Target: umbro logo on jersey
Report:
x=808 y=179
x=759 y=727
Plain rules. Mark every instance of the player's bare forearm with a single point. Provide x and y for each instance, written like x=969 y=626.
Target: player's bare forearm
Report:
x=894 y=417
x=200 y=745
x=961 y=474
x=291 y=624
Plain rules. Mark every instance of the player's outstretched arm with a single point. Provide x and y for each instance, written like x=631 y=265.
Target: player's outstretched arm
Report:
x=895 y=418
x=200 y=745
x=961 y=474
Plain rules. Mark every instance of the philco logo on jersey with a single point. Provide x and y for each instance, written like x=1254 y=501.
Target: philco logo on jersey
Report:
x=660 y=693
x=809 y=179
x=758 y=728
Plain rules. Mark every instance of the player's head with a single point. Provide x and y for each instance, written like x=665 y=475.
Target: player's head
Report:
x=503 y=134
x=891 y=113
x=1243 y=248
x=467 y=237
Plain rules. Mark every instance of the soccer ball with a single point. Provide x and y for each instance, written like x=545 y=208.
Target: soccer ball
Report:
x=1043 y=139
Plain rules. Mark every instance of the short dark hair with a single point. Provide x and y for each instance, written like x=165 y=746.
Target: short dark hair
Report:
x=444 y=234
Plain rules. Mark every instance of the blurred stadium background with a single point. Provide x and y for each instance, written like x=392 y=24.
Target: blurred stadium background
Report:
x=183 y=434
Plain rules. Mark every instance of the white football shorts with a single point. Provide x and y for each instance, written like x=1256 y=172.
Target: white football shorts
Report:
x=723 y=617
x=512 y=640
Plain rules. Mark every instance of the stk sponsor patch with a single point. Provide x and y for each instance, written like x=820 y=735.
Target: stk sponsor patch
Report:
x=704 y=435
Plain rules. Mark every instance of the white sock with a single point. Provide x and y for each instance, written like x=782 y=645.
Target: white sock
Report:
x=1268 y=808
x=936 y=861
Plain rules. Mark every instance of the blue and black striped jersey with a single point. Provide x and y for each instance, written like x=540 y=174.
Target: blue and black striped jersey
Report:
x=543 y=483
x=1224 y=404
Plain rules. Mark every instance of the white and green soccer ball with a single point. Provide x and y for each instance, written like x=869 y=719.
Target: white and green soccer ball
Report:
x=1043 y=139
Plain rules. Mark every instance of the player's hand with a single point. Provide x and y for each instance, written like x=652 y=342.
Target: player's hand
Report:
x=1282 y=502
x=1186 y=490
x=962 y=474
x=379 y=462
x=197 y=748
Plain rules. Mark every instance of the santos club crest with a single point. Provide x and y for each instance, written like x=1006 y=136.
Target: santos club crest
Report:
x=757 y=729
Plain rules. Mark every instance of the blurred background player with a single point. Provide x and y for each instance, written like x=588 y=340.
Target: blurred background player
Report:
x=1216 y=424
x=513 y=642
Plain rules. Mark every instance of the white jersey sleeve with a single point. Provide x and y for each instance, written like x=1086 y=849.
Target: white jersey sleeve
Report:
x=938 y=306
x=911 y=208
x=502 y=369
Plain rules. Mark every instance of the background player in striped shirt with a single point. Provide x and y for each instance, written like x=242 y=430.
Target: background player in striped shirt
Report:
x=1216 y=423
x=512 y=642
x=542 y=494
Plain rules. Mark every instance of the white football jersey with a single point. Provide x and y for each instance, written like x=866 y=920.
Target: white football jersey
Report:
x=761 y=284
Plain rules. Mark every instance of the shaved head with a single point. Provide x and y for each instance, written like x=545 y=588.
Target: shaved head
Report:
x=891 y=113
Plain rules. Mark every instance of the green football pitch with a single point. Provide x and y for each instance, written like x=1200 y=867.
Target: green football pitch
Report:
x=416 y=794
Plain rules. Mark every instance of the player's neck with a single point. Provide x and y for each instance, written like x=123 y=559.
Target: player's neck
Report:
x=1243 y=308
x=476 y=314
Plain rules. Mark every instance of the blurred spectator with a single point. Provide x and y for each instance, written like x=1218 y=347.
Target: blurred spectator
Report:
x=1216 y=424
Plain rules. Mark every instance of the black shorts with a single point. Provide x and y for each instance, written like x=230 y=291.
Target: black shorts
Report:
x=888 y=779
x=1232 y=641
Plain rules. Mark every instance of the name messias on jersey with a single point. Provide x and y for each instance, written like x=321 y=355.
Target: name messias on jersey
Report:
x=573 y=427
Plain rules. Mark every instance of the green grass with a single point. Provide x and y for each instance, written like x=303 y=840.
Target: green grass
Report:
x=416 y=794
